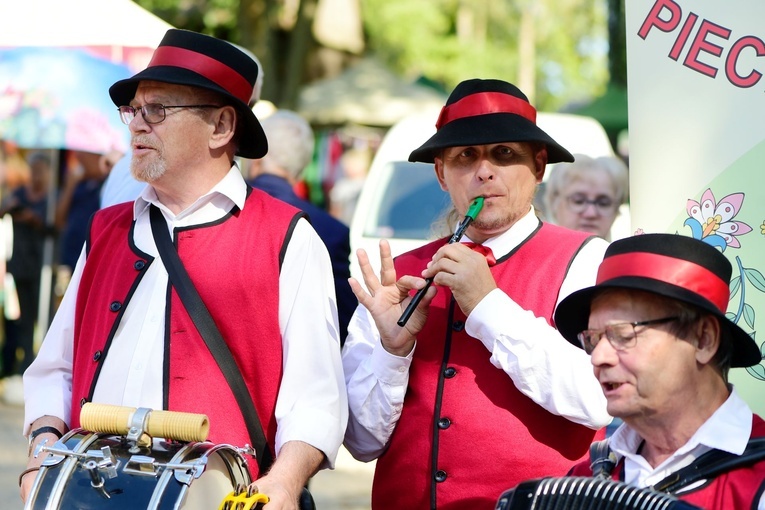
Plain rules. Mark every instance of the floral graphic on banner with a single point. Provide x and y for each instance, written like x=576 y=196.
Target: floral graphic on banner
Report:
x=713 y=223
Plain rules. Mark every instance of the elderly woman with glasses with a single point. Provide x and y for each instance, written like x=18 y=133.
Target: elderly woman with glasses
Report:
x=586 y=194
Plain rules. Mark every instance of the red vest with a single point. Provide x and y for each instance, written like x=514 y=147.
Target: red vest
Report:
x=234 y=264
x=466 y=433
x=739 y=489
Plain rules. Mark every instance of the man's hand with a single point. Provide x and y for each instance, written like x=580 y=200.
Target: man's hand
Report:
x=387 y=299
x=464 y=271
x=296 y=463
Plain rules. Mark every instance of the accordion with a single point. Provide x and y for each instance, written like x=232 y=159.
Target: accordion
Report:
x=579 y=493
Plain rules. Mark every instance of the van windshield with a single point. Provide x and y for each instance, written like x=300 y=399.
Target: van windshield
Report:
x=409 y=199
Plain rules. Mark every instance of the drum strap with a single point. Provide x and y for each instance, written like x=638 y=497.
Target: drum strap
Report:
x=204 y=322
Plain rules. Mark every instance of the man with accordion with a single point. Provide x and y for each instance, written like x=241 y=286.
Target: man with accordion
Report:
x=661 y=347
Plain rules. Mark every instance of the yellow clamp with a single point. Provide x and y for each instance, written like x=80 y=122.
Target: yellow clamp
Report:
x=242 y=500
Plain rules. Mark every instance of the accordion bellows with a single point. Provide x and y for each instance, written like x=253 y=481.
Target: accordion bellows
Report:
x=579 y=493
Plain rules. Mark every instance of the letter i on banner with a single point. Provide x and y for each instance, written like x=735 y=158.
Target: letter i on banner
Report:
x=697 y=142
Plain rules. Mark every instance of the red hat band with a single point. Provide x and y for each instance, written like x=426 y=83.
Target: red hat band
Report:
x=484 y=103
x=681 y=273
x=214 y=70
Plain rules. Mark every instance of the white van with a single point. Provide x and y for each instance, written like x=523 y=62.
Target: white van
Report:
x=401 y=200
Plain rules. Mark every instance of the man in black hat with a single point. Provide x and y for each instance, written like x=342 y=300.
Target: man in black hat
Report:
x=661 y=346
x=121 y=337
x=491 y=392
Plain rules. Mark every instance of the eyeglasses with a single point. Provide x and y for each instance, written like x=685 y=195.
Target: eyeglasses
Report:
x=154 y=113
x=621 y=336
x=578 y=203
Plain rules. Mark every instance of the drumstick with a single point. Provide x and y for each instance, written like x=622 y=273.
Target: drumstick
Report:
x=111 y=419
x=470 y=215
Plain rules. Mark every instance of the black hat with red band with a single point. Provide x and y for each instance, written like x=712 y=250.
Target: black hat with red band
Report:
x=197 y=60
x=670 y=265
x=482 y=112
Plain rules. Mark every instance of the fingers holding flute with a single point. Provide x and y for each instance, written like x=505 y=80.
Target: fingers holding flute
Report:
x=464 y=271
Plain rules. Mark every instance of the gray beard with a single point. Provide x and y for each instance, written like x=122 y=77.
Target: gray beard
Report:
x=150 y=173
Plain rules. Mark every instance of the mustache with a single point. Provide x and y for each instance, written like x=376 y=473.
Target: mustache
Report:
x=141 y=141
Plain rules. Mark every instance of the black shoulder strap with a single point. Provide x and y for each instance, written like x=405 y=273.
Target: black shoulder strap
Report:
x=712 y=464
x=602 y=461
x=212 y=337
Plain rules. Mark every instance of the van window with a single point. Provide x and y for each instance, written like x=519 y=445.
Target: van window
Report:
x=408 y=201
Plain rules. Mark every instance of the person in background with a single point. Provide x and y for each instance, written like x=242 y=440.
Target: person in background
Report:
x=27 y=205
x=586 y=194
x=344 y=194
x=78 y=199
x=478 y=390
x=290 y=149
x=258 y=266
x=661 y=346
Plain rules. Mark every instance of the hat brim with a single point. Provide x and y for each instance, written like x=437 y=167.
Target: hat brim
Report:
x=488 y=129
x=252 y=141
x=572 y=314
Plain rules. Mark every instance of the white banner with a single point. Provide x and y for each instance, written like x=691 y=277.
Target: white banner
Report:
x=697 y=141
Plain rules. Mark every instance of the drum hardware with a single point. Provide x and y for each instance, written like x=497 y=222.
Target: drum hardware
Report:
x=184 y=472
x=96 y=480
x=138 y=424
x=137 y=458
x=247 y=450
x=58 y=452
x=97 y=460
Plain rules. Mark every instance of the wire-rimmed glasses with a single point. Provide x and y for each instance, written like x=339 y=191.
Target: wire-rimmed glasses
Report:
x=154 y=113
x=621 y=336
x=577 y=203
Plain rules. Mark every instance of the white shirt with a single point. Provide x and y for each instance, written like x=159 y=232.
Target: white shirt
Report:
x=311 y=405
x=542 y=364
x=728 y=429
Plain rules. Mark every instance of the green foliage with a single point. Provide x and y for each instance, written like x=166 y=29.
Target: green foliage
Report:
x=447 y=41
x=214 y=17
x=452 y=40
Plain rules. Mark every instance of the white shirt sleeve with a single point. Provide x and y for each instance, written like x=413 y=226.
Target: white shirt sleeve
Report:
x=376 y=382
x=312 y=406
x=48 y=380
x=542 y=364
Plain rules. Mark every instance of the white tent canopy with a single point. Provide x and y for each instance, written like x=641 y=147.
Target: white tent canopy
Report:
x=118 y=26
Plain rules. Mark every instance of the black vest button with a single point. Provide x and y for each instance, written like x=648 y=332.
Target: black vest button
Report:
x=450 y=372
x=444 y=423
x=115 y=306
x=458 y=325
x=440 y=476
x=139 y=265
x=97 y=356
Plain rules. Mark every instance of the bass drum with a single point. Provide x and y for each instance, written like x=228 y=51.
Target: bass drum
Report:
x=87 y=470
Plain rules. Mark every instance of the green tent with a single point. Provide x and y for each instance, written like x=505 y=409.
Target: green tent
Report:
x=610 y=110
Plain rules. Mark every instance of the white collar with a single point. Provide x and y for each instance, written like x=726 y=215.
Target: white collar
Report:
x=229 y=191
x=728 y=429
x=510 y=239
